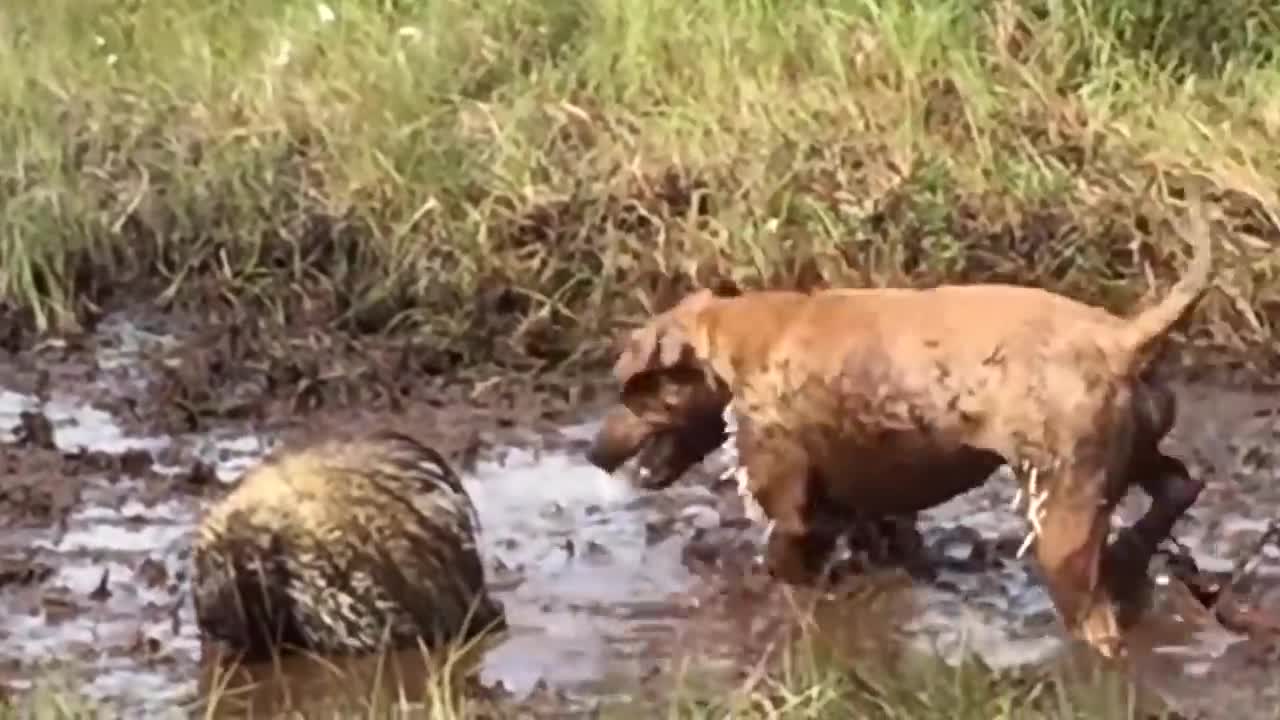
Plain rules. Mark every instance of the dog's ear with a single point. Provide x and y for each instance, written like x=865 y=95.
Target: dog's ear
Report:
x=636 y=354
x=662 y=343
x=657 y=346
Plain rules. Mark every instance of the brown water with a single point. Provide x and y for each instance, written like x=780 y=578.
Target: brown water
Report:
x=604 y=585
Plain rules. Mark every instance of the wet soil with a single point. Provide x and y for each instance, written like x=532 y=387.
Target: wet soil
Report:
x=110 y=448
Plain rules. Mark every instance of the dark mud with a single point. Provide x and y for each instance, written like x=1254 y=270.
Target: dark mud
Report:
x=611 y=593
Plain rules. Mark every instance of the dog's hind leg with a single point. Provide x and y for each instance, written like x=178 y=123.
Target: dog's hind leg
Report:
x=1163 y=478
x=1172 y=491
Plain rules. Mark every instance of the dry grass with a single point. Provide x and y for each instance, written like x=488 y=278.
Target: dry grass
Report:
x=512 y=180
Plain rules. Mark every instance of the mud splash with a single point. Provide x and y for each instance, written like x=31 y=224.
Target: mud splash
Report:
x=605 y=586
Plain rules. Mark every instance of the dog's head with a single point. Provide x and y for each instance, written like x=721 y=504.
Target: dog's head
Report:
x=663 y=455
x=672 y=404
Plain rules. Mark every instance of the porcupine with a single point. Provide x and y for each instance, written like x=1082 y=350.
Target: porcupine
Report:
x=345 y=546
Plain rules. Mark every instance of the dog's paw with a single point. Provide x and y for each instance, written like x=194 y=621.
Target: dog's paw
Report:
x=787 y=561
x=1101 y=631
x=1111 y=648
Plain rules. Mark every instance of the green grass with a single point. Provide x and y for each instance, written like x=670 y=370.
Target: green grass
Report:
x=803 y=684
x=812 y=687
x=410 y=683
x=515 y=179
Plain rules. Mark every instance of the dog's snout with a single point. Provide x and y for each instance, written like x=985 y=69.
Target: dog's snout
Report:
x=606 y=456
x=619 y=438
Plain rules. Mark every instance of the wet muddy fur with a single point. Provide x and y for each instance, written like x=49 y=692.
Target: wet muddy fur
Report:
x=345 y=546
x=665 y=455
x=856 y=403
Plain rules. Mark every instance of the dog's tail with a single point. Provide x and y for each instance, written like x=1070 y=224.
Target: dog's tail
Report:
x=1148 y=328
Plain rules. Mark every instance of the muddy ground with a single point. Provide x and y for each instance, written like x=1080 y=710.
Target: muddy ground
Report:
x=113 y=444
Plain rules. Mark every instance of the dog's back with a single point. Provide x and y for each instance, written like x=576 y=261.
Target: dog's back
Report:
x=955 y=326
x=895 y=383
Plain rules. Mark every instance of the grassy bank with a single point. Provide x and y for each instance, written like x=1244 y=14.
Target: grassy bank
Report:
x=515 y=179
x=804 y=684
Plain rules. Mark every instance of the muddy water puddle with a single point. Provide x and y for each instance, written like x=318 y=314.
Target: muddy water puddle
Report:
x=603 y=585
x=102 y=592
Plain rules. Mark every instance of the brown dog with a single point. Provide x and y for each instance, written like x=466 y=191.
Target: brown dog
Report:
x=890 y=401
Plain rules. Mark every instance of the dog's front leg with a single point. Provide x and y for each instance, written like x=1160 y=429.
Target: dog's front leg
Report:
x=1072 y=536
x=778 y=472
